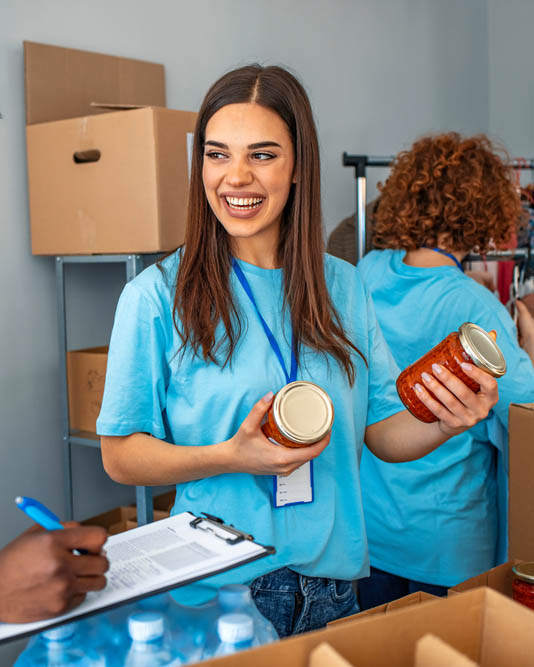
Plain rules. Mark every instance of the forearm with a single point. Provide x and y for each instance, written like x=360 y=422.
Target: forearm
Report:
x=402 y=437
x=142 y=460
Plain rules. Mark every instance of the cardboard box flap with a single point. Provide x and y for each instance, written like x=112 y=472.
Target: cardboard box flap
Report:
x=525 y=406
x=326 y=656
x=117 y=107
x=498 y=579
x=61 y=83
x=431 y=651
x=413 y=598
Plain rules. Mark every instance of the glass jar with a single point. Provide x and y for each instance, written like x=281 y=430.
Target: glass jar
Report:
x=301 y=414
x=470 y=344
x=523 y=584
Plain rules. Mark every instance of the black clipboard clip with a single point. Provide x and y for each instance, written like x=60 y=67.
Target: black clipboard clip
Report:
x=214 y=521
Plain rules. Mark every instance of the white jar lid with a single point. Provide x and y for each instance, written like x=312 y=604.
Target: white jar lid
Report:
x=145 y=626
x=235 y=628
x=303 y=412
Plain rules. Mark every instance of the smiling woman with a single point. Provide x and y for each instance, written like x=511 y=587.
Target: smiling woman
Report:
x=200 y=338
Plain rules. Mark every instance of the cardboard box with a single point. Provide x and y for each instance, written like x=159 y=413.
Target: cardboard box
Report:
x=401 y=603
x=482 y=625
x=61 y=83
x=86 y=376
x=521 y=476
x=165 y=501
x=106 y=181
x=498 y=579
x=120 y=519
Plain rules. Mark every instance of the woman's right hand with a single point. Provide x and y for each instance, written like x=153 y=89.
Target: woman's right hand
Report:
x=253 y=453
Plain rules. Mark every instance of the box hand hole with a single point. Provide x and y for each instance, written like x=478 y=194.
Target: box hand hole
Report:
x=81 y=157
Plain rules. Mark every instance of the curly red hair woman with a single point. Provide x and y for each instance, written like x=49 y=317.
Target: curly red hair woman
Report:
x=437 y=521
x=450 y=190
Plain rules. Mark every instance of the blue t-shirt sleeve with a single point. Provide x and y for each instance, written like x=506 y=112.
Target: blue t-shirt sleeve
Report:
x=137 y=372
x=383 y=400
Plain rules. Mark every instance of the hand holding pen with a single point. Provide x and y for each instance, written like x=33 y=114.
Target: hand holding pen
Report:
x=41 y=576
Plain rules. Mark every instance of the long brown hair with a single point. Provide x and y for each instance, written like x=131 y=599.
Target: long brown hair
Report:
x=203 y=297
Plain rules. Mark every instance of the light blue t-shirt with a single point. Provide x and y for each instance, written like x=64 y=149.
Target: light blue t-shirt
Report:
x=441 y=519
x=149 y=388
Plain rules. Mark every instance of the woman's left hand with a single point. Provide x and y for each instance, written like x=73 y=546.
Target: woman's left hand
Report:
x=460 y=408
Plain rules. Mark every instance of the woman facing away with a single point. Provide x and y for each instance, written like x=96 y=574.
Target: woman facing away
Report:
x=438 y=520
x=191 y=372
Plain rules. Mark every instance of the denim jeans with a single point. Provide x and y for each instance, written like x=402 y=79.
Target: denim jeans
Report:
x=295 y=603
x=382 y=587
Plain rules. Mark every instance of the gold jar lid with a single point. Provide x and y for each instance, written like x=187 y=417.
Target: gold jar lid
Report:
x=482 y=349
x=524 y=571
x=303 y=412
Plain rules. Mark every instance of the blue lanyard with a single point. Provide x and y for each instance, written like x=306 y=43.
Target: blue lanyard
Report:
x=292 y=375
x=444 y=252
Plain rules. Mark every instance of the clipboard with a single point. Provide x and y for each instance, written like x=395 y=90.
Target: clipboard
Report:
x=176 y=551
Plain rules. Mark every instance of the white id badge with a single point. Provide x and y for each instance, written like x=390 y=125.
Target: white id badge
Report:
x=296 y=488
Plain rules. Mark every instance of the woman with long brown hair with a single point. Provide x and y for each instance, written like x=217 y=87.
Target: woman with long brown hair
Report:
x=248 y=304
x=440 y=520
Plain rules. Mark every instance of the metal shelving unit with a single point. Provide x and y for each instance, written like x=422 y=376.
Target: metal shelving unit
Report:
x=134 y=264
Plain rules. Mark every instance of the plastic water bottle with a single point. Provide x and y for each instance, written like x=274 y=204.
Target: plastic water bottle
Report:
x=60 y=646
x=236 y=633
x=237 y=598
x=149 y=646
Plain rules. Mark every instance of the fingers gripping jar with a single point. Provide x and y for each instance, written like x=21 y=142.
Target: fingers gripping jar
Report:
x=301 y=414
x=470 y=344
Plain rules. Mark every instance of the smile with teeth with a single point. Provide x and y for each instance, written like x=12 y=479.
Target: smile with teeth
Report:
x=243 y=204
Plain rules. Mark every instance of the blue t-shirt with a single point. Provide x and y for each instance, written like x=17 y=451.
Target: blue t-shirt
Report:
x=440 y=519
x=186 y=401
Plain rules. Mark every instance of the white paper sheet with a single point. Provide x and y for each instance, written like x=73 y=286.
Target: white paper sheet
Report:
x=147 y=559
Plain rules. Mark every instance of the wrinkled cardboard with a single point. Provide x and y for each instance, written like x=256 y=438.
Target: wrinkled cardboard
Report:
x=86 y=376
x=521 y=484
x=61 y=83
x=431 y=651
x=481 y=624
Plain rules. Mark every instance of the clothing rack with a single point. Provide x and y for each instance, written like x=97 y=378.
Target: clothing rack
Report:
x=362 y=162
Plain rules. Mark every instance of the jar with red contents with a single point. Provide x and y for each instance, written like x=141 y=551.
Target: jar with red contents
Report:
x=470 y=344
x=523 y=584
x=300 y=415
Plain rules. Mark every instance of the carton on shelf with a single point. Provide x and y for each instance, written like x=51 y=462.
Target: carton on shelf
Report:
x=483 y=625
x=120 y=519
x=86 y=376
x=106 y=180
x=521 y=474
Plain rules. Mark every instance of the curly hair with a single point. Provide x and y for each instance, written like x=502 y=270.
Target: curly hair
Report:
x=452 y=187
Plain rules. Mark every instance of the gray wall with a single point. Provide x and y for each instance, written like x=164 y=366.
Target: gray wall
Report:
x=511 y=75
x=379 y=73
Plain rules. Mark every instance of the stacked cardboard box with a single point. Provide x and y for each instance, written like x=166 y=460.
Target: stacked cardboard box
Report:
x=124 y=518
x=103 y=178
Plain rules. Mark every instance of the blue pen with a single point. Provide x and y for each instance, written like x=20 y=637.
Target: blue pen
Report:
x=41 y=515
